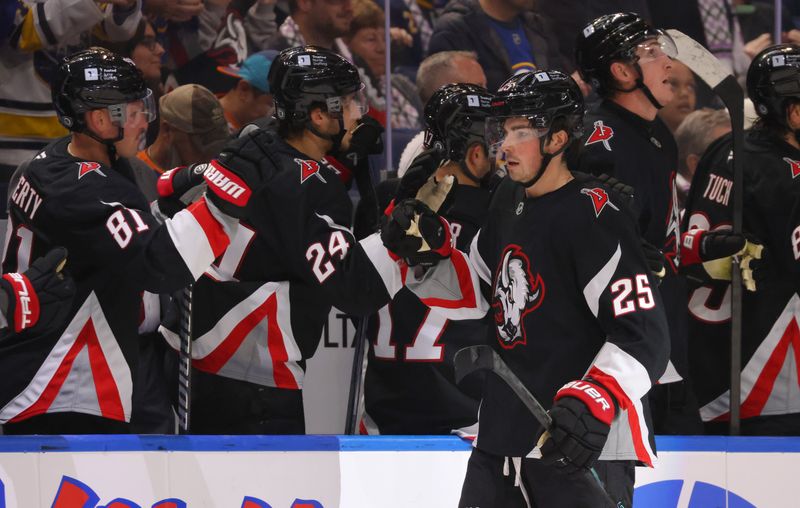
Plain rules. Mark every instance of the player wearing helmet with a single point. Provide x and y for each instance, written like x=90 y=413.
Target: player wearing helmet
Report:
x=79 y=193
x=409 y=386
x=260 y=311
x=628 y=62
x=560 y=265
x=771 y=162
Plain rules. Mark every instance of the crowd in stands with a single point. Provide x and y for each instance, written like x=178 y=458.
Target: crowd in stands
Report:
x=207 y=62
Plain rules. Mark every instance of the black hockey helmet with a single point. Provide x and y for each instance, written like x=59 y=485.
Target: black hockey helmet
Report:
x=454 y=119
x=306 y=76
x=615 y=38
x=546 y=99
x=773 y=81
x=96 y=78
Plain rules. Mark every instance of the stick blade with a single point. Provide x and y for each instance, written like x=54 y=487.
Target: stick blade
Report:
x=699 y=59
x=471 y=359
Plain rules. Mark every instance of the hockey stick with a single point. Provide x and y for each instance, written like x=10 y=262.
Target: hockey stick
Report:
x=356 y=377
x=482 y=357
x=708 y=68
x=185 y=361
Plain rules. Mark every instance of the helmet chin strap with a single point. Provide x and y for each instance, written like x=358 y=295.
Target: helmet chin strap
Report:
x=641 y=86
x=546 y=158
x=110 y=148
x=336 y=139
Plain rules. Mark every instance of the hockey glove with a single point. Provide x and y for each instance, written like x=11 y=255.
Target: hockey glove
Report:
x=229 y=187
x=582 y=415
x=40 y=298
x=715 y=250
x=173 y=184
x=656 y=261
x=421 y=169
x=416 y=234
x=699 y=245
x=366 y=140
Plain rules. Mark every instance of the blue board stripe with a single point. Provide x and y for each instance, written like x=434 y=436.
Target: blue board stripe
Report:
x=93 y=443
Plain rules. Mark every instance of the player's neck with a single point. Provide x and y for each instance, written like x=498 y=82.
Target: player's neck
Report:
x=637 y=103
x=453 y=168
x=556 y=176
x=309 y=144
x=790 y=138
x=86 y=148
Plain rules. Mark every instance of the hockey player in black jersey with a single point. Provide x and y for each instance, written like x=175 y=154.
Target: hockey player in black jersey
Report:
x=258 y=314
x=576 y=314
x=409 y=386
x=628 y=63
x=78 y=193
x=769 y=390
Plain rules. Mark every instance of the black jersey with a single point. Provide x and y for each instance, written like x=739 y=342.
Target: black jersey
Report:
x=258 y=313
x=570 y=295
x=770 y=315
x=410 y=386
x=117 y=250
x=643 y=154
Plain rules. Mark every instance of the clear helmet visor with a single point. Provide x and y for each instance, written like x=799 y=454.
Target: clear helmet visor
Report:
x=353 y=105
x=131 y=113
x=503 y=132
x=656 y=47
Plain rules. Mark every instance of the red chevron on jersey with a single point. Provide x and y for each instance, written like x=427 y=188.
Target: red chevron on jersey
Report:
x=794 y=166
x=600 y=134
x=309 y=168
x=87 y=167
x=599 y=199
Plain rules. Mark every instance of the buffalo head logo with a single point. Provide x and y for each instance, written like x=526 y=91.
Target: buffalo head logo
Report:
x=516 y=293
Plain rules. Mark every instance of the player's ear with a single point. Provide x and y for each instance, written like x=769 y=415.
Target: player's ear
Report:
x=98 y=121
x=557 y=141
x=317 y=116
x=622 y=73
x=793 y=112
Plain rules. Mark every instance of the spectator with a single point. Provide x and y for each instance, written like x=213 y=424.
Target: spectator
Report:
x=145 y=51
x=438 y=70
x=684 y=96
x=28 y=121
x=317 y=23
x=366 y=41
x=193 y=130
x=250 y=98
x=505 y=34
x=411 y=30
x=698 y=130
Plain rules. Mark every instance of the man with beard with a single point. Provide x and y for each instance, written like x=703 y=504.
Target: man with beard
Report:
x=315 y=23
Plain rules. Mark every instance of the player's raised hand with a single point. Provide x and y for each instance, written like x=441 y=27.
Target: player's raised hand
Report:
x=40 y=298
x=415 y=233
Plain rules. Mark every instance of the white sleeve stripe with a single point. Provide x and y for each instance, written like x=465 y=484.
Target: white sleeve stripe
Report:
x=600 y=281
x=477 y=261
x=332 y=224
x=630 y=375
x=191 y=242
x=386 y=267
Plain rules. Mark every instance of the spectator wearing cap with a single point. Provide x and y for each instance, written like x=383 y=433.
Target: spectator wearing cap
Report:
x=366 y=41
x=315 y=22
x=192 y=129
x=250 y=99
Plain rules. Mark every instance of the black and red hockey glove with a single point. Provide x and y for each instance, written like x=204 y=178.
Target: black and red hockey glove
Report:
x=177 y=181
x=421 y=168
x=415 y=233
x=582 y=415
x=40 y=298
x=230 y=186
x=699 y=245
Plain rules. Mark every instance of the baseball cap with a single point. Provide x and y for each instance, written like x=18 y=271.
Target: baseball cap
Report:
x=194 y=110
x=254 y=69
